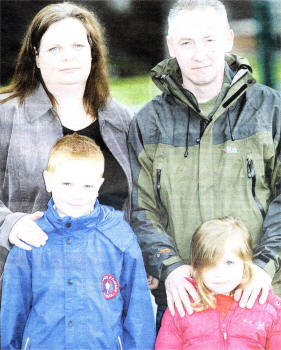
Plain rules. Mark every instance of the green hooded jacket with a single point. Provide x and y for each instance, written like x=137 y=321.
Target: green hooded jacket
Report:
x=188 y=168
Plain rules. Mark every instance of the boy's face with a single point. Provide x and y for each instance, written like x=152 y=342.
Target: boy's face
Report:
x=74 y=185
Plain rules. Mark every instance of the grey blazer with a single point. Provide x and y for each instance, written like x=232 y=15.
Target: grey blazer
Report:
x=27 y=133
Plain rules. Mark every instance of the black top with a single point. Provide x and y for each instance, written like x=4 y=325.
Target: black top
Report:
x=114 y=190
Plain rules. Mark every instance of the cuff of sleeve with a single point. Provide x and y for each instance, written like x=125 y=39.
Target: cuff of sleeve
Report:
x=268 y=266
x=6 y=228
x=170 y=265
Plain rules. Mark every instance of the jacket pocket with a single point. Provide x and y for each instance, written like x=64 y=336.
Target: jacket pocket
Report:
x=252 y=175
x=158 y=194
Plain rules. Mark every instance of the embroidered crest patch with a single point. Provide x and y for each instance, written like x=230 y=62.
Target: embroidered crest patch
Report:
x=109 y=286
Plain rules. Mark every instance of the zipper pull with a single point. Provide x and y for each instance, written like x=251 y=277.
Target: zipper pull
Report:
x=158 y=176
x=250 y=168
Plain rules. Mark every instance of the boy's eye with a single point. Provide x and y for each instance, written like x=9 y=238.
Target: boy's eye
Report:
x=89 y=186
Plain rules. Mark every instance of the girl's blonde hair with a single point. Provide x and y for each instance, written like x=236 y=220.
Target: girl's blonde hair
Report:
x=208 y=246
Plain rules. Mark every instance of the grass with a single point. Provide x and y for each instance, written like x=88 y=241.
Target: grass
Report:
x=135 y=91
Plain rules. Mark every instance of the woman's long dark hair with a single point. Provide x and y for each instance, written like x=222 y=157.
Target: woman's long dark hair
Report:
x=27 y=76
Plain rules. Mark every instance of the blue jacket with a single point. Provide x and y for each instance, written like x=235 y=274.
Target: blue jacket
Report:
x=85 y=289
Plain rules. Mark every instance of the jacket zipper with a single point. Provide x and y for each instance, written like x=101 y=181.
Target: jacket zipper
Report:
x=120 y=343
x=252 y=175
x=26 y=343
x=158 y=188
x=224 y=336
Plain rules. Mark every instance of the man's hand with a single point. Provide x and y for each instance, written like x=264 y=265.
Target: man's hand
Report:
x=153 y=282
x=261 y=283
x=178 y=290
x=26 y=230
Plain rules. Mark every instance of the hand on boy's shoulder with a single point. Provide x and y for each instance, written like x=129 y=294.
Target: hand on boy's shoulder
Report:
x=261 y=283
x=26 y=233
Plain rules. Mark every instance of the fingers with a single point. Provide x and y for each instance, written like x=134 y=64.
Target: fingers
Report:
x=37 y=215
x=170 y=302
x=152 y=282
x=261 y=283
x=264 y=295
x=22 y=245
x=184 y=299
x=32 y=235
x=237 y=294
x=191 y=290
x=26 y=232
x=253 y=297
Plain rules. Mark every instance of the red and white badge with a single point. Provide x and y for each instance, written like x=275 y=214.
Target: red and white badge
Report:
x=109 y=286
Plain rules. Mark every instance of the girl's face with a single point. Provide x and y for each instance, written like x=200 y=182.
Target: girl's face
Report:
x=224 y=276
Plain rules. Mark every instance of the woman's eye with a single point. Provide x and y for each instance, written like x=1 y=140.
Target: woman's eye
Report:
x=53 y=49
x=66 y=184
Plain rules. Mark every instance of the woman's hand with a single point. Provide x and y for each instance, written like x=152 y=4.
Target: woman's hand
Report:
x=27 y=231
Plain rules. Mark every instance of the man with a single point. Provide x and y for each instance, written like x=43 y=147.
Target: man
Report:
x=208 y=147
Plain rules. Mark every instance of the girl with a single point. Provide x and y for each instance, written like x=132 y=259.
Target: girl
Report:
x=221 y=258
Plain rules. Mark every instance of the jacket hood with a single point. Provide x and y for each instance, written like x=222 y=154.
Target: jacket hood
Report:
x=167 y=77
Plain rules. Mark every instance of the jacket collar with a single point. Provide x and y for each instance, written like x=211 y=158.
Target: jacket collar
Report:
x=37 y=104
x=167 y=76
x=106 y=220
x=76 y=224
x=110 y=114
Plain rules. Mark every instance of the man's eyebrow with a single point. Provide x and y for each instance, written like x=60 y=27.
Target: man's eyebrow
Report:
x=184 y=39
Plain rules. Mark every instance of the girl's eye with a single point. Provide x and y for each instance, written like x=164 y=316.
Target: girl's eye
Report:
x=78 y=46
x=66 y=184
x=229 y=263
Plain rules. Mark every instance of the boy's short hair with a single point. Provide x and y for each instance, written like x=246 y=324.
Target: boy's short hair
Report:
x=75 y=147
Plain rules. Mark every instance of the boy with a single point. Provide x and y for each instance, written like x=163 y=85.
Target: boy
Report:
x=86 y=288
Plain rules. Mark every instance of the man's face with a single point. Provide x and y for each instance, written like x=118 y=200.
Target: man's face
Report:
x=199 y=41
x=74 y=185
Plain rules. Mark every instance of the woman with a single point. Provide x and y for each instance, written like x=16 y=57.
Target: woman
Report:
x=60 y=85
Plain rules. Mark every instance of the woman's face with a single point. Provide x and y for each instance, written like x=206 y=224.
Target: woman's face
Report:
x=64 y=56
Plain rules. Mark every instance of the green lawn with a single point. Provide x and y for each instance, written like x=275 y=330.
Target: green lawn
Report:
x=135 y=91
